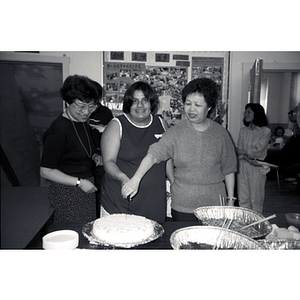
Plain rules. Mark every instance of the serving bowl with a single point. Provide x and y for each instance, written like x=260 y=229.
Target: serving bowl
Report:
x=293 y=219
x=215 y=215
x=206 y=237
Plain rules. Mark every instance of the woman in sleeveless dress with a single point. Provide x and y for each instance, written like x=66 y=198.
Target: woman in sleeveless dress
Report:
x=124 y=143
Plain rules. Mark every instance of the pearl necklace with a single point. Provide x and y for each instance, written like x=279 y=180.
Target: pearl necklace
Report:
x=90 y=148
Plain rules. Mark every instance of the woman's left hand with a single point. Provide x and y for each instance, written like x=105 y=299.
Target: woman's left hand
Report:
x=99 y=127
x=97 y=159
x=87 y=186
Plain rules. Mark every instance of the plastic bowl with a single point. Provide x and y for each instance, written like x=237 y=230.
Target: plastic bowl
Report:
x=293 y=219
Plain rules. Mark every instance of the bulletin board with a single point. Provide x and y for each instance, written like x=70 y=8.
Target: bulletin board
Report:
x=168 y=83
x=167 y=73
x=117 y=78
x=213 y=68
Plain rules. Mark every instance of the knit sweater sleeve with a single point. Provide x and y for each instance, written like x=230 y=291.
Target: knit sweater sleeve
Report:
x=164 y=148
x=228 y=158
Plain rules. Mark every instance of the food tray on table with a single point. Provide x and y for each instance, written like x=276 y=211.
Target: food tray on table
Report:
x=282 y=238
x=281 y=244
x=215 y=216
x=206 y=237
x=157 y=231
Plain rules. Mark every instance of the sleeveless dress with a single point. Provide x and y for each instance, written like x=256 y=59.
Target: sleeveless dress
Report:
x=150 y=200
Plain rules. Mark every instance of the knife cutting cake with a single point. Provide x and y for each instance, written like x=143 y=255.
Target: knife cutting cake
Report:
x=122 y=228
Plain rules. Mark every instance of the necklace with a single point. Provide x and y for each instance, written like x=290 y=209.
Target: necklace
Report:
x=90 y=148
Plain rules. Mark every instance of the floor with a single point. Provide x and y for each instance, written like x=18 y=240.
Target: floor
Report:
x=285 y=201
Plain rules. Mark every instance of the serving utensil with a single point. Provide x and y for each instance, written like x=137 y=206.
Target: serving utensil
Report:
x=215 y=247
x=222 y=200
x=129 y=200
x=260 y=221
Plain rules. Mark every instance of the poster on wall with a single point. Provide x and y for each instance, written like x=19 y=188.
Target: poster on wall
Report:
x=118 y=77
x=168 y=83
x=213 y=68
x=39 y=84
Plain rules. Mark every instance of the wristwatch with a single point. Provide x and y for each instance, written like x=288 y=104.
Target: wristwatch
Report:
x=77 y=182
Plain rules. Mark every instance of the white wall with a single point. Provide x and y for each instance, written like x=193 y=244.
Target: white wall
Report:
x=88 y=63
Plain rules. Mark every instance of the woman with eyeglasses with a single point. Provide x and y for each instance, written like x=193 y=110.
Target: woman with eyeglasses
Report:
x=69 y=154
x=252 y=146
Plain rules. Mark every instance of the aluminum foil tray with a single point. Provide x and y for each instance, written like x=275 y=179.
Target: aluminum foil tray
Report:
x=158 y=231
x=215 y=215
x=281 y=244
x=205 y=237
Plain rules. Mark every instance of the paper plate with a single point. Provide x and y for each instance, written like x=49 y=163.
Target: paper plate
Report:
x=61 y=240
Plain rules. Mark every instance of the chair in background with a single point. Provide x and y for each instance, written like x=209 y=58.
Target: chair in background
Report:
x=272 y=167
x=276 y=168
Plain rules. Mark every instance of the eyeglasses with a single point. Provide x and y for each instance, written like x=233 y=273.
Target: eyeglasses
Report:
x=82 y=107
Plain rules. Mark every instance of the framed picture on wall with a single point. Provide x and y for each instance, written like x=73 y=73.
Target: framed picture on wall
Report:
x=162 y=57
x=114 y=55
x=138 y=56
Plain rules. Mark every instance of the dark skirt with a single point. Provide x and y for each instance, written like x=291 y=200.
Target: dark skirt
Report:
x=72 y=204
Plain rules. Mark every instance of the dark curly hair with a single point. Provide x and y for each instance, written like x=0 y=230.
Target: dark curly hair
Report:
x=147 y=91
x=82 y=88
x=204 y=86
x=260 y=118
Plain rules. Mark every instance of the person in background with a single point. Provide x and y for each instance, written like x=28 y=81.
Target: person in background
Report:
x=290 y=154
x=252 y=145
x=277 y=140
x=98 y=120
x=69 y=154
x=202 y=153
x=293 y=119
x=124 y=143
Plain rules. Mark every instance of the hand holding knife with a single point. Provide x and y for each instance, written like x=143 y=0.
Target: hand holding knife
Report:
x=129 y=200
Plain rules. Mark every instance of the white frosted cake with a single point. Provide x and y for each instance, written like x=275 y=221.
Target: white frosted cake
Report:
x=116 y=229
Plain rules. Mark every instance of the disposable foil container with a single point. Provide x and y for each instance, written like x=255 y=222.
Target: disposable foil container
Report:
x=214 y=216
x=281 y=244
x=206 y=237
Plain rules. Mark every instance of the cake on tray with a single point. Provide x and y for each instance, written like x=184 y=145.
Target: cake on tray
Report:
x=118 y=229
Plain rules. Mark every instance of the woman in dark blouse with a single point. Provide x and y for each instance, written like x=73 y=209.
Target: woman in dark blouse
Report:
x=69 y=154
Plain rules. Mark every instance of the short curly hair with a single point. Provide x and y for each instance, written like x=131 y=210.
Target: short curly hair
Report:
x=82 y=88
x=148 y=92
x=204 y=86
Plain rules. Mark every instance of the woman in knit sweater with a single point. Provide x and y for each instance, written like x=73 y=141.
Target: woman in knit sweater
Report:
x=202 y=152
